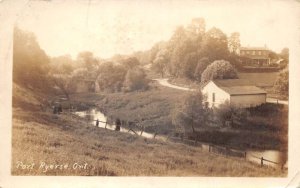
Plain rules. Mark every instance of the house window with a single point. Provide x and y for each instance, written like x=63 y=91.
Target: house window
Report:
x=213 y=97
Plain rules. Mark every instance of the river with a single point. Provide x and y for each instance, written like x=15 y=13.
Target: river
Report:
x=93 y=114
x=252 y=155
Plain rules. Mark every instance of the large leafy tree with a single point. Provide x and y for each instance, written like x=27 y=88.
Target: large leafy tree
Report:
x=111 y=76
x=135 y=79
x=153 y=52
x=63 y=74
x=64 y=62
x=126 y=75
x=196 y=27
x=215 y=45
x=178 y=55
x=281 y=85
x=30 y=62
x=130 y=62
x=201 y=66
x=160 y=62
x=234 y=43
x=189 y=65
x=192 y=114
x=179 y=46
x=285 y=54
x=219 y=69
x=87 y=60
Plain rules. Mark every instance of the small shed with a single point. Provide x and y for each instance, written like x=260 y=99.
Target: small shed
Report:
x=238 y=92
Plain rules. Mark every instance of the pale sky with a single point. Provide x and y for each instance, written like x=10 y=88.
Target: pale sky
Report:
x=122 y=27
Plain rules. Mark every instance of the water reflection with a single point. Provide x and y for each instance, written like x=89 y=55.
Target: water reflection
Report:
x=272 y=155
x=252 y=155
x=92 y=115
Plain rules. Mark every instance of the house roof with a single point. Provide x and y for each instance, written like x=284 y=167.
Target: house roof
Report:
x=238 y=87
x=254 y=48
x=232 y=82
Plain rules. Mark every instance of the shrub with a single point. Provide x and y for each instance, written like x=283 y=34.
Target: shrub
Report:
x=281 y=85
x=135 y=79
x=219 y=69
x=192 y=114
x=201 y=66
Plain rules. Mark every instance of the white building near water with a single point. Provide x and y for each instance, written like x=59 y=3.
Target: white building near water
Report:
x=238 y=92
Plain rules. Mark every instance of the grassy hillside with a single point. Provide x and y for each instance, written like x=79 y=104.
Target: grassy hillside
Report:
x=151 y=108
x=41 y=139
x=260 y=79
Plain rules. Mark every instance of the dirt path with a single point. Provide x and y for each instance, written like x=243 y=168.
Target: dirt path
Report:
x=164 y=82
x=273 y=100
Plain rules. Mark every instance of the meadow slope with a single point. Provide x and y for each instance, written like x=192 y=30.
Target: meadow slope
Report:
x=41 y=139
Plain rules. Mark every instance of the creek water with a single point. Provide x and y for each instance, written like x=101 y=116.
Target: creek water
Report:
x=252 y=155
x=272 y=155
x=93 y=114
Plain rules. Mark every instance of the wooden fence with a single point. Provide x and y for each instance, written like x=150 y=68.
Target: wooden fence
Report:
x=225 y=151
x=262 y=159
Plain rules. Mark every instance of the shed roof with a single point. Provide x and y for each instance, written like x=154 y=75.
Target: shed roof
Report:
x=238 y=87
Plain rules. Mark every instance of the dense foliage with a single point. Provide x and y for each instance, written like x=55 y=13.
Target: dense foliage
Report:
x=30 y=62
x=124 y=76
x=191 y=114
x=281 y=85
x=191 y=49
x=32 y=68
x=219 y=69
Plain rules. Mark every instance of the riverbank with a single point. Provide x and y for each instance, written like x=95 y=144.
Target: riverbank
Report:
x=55 y=140
x=65 y=144
x=152 y=109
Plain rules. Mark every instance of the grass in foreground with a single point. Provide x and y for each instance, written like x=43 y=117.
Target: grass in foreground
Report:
x=67 y=145
x=65 y=139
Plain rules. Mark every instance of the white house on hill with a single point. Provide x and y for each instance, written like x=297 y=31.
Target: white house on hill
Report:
x=237 y=92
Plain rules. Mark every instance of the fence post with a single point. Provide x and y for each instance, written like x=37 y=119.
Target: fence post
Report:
x=105 y=124
x=262 y=161
x=245 y=154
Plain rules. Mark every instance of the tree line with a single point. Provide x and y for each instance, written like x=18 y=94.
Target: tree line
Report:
x=200 y=55
x=191 y=49
x=34 y=69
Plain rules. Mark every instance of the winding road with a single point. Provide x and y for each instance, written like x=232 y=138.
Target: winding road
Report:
x=164 y=82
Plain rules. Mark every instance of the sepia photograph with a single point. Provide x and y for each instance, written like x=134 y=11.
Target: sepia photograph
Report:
x=151 y=88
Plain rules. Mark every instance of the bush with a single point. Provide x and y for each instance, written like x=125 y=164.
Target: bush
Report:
x=30 y=62
x=135 y=79
x=281 y=85
x=111 y=77
x=201 y=66
x=219 y=69
x=192 y=114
